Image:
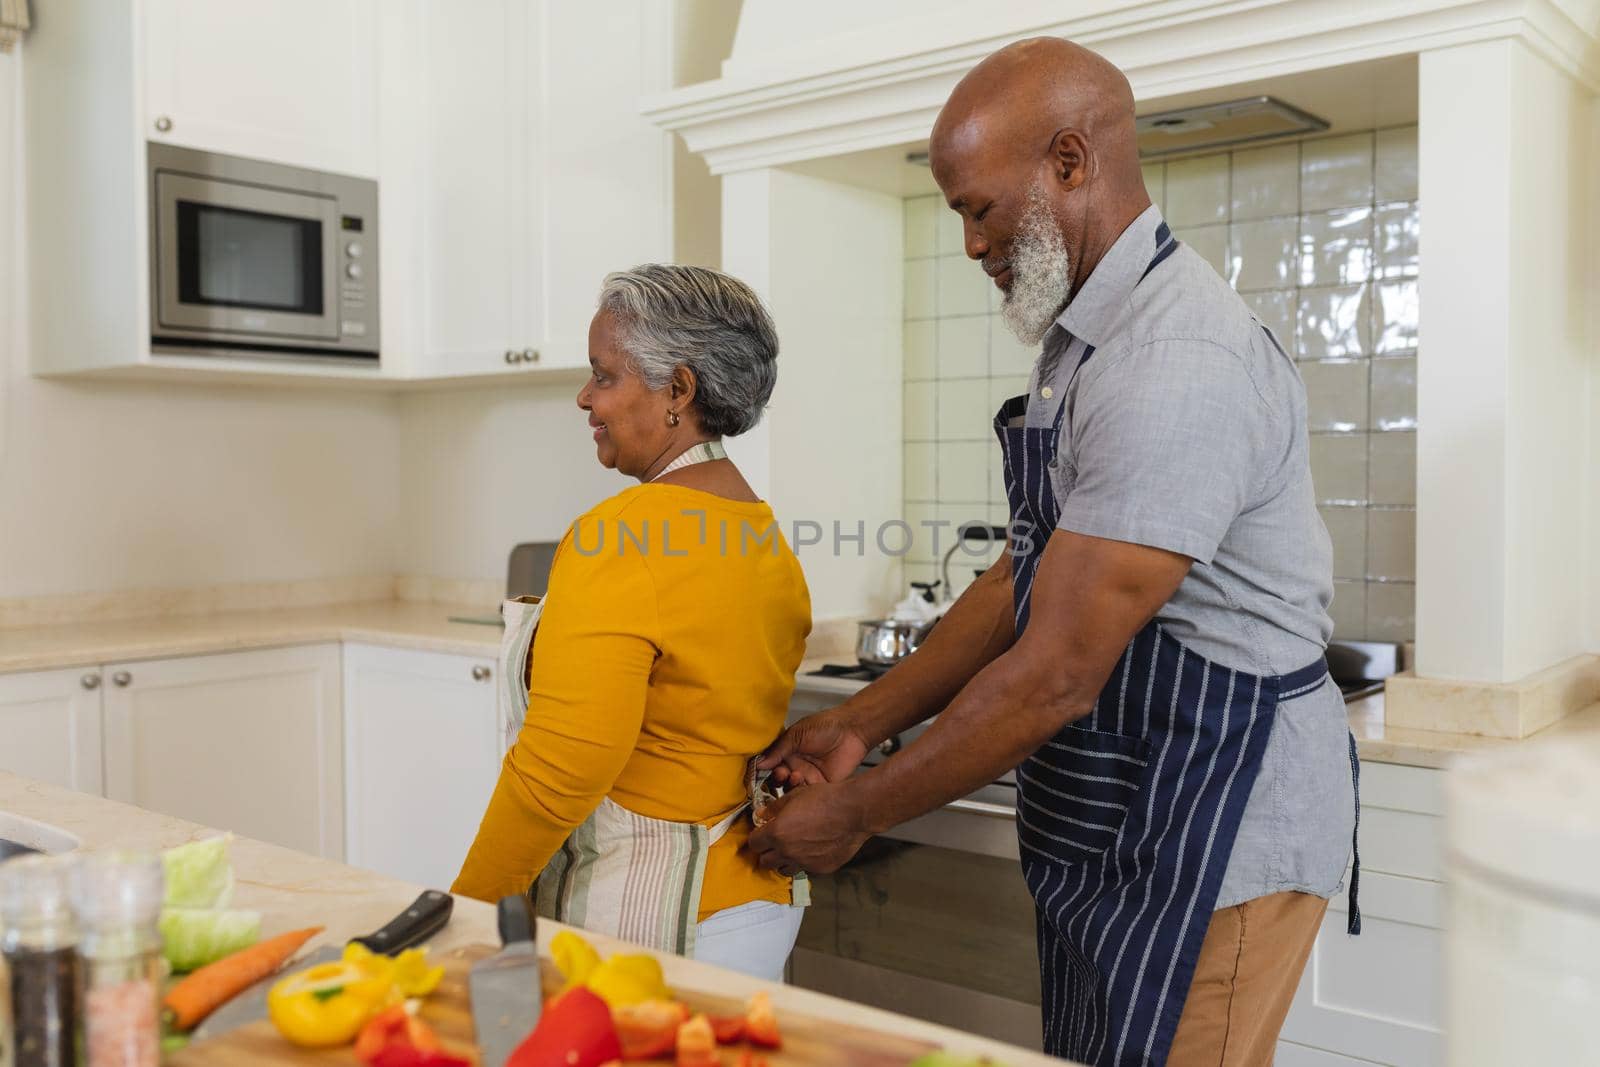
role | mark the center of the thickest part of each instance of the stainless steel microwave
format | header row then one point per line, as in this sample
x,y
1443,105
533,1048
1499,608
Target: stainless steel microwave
x,y
253,258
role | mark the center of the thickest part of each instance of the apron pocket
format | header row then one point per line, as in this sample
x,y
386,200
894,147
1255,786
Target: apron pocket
x,y
1073,794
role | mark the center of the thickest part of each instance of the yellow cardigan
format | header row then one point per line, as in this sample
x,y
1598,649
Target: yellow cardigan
x,y
664,659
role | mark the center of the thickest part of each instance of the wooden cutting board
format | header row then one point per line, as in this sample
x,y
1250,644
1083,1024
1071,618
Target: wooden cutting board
x,y
807,1041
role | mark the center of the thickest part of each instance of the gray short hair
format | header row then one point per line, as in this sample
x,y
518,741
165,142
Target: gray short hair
x,y
712,323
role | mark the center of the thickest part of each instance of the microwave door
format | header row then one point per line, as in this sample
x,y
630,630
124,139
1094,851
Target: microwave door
x,y
238,259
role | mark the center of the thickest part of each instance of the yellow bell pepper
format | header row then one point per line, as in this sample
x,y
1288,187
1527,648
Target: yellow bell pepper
x,y
624,980
574,957
328,1004
619,981
408,972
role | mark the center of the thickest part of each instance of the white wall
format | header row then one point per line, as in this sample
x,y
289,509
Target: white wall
x,y
1591,476
1551,288
702,38
487,468
110,486
798,38
826,258
1503,487
484,469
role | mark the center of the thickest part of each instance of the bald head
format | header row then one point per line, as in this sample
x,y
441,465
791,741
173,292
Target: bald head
x,y
1041,132
1016,100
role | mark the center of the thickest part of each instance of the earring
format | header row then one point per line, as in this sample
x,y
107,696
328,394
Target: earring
x,y
672,418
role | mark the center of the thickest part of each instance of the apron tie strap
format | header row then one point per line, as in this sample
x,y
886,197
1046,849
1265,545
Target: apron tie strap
x,y
1354,925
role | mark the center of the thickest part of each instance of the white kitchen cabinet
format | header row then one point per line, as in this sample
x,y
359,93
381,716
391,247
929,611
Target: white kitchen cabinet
x,y
249,742
514,169
458,189
422,753
1378,998
50,727
293,81
607,196
516,172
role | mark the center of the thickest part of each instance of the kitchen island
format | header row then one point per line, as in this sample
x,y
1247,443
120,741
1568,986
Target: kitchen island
x,y
293,889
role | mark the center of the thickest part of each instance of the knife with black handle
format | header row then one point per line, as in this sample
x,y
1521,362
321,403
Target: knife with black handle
x,y
421,919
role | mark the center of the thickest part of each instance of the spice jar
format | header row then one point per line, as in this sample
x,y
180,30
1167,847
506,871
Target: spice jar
x,y
39,939
117,898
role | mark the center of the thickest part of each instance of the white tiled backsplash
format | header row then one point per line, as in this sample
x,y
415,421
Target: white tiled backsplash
x,y
1320,238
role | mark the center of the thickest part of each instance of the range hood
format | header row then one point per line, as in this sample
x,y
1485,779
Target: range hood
x,y
1233,122
1185,130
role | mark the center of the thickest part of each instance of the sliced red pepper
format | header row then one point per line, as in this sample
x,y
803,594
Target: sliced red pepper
x,y
697,1044
375,1036
649,1029
575,1031
401,1056
761,1023
728,1028
396,1038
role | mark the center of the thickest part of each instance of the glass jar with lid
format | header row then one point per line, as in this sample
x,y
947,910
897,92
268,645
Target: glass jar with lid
x,y
117,899
39,943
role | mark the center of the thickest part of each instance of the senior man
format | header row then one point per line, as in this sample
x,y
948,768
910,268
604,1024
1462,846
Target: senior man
x,y
1149,656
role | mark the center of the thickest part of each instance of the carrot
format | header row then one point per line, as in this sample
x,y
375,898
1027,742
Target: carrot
x,y
213,985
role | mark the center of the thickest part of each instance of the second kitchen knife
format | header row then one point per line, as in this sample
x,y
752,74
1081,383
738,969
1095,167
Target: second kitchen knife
x,y
506,995
421,919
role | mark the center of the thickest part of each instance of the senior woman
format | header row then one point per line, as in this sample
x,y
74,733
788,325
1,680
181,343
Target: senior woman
x,y
666,650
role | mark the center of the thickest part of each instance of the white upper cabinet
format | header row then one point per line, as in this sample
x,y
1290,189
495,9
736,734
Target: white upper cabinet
x,y
292,81
608,171
514,169
457,194
516,172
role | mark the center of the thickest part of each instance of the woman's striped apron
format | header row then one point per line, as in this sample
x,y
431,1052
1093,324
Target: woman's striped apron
x,y
619,873
1127,817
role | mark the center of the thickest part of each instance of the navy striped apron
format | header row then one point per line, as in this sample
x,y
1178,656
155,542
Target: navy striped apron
x,y
1126,818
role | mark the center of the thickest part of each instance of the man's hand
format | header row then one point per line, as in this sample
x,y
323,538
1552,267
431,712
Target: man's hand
x,y
817,829
825,747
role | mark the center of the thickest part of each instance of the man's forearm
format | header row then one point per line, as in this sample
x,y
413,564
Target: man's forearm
x,y
1006,713
970,636
1090,597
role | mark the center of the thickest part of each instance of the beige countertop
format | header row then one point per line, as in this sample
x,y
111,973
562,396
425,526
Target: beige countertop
x,y
396,623
1380,743
1375,741
292,889
426,626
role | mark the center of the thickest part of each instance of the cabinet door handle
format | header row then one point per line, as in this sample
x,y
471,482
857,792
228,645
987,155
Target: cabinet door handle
x,y
163,124
481,673
121,679
90,680
530,355
511,356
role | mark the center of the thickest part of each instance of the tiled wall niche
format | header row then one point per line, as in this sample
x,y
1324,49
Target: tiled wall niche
x,y
1320,238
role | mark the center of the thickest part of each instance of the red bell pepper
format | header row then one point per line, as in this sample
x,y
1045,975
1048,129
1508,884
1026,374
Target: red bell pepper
x,y
697,1044
575,1031
396,1038
649,1029
728,1028
761,1023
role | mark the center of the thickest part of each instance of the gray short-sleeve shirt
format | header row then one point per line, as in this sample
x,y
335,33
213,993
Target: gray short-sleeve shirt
x,y
1185,429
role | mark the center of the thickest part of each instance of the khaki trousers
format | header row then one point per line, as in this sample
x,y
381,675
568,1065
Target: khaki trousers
x,y
1249,966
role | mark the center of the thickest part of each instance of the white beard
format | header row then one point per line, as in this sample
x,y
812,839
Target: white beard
x,y
1041,273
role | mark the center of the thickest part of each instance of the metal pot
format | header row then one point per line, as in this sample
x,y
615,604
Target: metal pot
x,y
885,642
